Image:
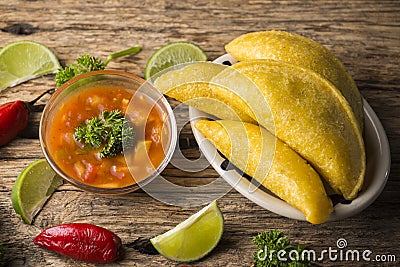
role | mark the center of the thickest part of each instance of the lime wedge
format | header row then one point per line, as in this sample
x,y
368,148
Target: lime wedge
x,y
24,60
32,188
194,238
173,54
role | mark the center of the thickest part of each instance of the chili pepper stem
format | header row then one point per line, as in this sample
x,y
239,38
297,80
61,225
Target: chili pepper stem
x,y
133,50
50,91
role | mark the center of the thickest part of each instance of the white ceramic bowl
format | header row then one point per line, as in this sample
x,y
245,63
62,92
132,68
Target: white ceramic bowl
x,y
378,166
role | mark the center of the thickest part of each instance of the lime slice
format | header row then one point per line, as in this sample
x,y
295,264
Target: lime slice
x,y
32,188
24,60
173,54
194,238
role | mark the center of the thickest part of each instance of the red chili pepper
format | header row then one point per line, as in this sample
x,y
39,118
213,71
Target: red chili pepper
x,y
13,119
81,241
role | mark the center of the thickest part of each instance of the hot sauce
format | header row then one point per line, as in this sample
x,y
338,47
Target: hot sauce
x,y
84,164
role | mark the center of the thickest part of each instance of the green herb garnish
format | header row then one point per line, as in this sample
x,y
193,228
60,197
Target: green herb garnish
x,y
111,129
87,63
270,244
2,255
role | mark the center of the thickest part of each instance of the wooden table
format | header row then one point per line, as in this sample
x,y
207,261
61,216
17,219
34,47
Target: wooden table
x,y
365,35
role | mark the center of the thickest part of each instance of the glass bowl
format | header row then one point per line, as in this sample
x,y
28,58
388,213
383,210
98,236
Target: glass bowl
x,y
377,173
116,83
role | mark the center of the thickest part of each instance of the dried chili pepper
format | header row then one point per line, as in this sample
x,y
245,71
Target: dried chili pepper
x,y
14,117
81,241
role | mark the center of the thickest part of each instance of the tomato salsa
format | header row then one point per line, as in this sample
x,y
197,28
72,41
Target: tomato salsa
x,y
84,163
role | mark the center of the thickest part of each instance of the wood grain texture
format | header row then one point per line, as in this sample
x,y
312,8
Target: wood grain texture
x,y
365,35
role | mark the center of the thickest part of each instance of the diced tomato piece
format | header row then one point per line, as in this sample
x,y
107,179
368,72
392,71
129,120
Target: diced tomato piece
x,y
79,169
118,171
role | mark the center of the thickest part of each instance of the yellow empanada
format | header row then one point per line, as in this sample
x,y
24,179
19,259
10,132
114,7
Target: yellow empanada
x,y
300,51
312,117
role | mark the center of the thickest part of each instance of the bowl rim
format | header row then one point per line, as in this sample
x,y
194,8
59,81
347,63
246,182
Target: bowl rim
x,y
119,190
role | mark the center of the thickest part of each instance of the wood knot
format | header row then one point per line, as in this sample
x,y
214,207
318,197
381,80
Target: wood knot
x,y
20,29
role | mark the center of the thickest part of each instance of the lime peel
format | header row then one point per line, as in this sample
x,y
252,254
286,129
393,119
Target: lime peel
x,y
21,61
193,238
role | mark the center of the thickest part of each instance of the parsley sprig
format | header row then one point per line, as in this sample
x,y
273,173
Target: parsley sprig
x,y
111,129
87,63
270,243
